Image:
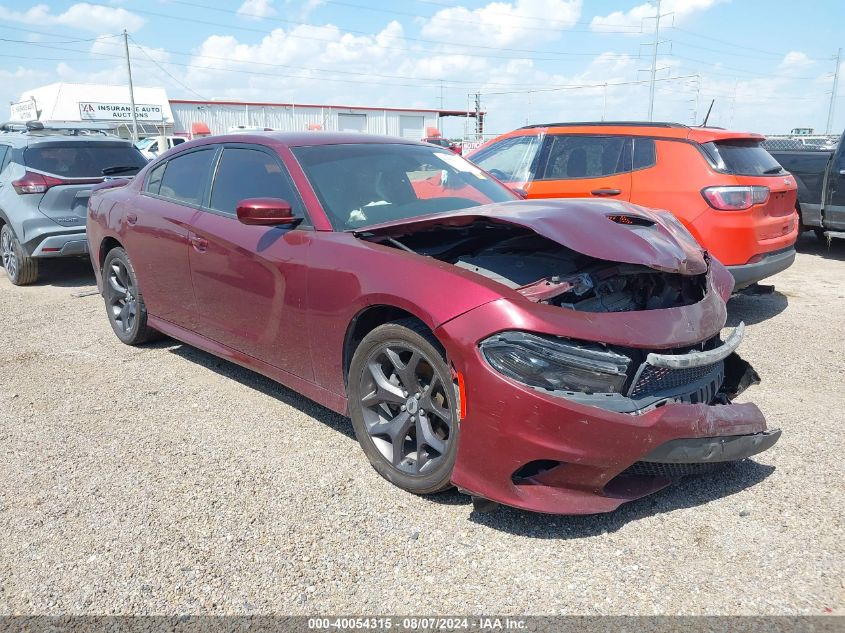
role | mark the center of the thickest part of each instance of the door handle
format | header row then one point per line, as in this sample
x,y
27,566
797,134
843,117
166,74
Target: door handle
x,y
606,192
131,218
200,244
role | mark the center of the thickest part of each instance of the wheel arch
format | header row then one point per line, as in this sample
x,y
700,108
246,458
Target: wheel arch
x,y
368,319
107,244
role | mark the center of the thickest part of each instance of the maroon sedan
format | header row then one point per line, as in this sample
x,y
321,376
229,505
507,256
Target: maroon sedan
x,y
559,356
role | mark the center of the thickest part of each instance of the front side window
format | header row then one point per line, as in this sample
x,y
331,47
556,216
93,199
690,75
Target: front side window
x,y
582,156
249,173
185,176
512,159
364,184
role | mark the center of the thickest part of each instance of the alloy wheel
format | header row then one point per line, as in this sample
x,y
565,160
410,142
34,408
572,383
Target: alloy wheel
x,y
7,248
406,407
122,296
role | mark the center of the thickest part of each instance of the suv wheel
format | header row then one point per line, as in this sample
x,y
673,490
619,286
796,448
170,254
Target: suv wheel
x,y
20,267
404,407
124,302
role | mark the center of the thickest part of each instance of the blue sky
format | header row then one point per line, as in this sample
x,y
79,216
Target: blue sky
x,y
768,65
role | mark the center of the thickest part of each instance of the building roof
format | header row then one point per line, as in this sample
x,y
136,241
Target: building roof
x,y
258,104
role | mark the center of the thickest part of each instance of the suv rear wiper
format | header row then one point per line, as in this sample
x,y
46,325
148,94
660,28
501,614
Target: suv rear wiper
x,y
774,170
119,169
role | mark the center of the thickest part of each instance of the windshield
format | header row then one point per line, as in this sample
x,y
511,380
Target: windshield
x,y
144,142
742,158
364,184
84,160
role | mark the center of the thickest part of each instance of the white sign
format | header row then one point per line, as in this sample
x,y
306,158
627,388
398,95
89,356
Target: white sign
x,y
119,112
24,111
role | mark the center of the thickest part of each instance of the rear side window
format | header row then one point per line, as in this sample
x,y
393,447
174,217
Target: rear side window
x,y
177,141
512,159
84,160
582,156
248,173
154,179
644,153
185,176
742,157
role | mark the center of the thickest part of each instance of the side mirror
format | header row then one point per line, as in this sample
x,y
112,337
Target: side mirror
x,y
265,212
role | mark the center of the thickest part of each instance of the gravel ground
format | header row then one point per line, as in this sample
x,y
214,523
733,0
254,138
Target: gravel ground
x,y
160,480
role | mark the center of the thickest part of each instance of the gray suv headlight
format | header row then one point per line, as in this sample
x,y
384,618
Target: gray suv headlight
x,y
555,364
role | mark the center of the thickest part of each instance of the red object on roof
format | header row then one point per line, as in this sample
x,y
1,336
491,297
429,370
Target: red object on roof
x,y
199,129
432,132
315,126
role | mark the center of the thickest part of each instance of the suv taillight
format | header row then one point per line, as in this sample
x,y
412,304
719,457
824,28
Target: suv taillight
x,y
735,198
35,183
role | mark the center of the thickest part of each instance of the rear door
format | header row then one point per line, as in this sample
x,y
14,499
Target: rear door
x,y
157,235
250,281
71,168
584,166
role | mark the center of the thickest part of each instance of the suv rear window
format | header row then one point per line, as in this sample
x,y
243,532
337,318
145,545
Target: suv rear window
x,y
742,157
84,160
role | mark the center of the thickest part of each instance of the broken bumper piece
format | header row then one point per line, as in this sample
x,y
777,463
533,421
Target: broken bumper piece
x,y
713,449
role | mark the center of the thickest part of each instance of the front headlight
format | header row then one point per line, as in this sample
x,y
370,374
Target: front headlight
x,y
551,363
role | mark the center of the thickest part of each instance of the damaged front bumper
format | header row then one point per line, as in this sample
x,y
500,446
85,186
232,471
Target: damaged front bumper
x,y
547,452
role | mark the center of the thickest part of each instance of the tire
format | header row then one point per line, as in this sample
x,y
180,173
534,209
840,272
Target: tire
x,y
124,302
21,269
820,234
393,364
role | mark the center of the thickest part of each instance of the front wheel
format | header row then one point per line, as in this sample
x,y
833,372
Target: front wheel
x,y
124,302
404,407
21,269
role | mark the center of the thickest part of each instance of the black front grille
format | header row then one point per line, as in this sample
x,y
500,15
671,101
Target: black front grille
x,y
658,379
670,471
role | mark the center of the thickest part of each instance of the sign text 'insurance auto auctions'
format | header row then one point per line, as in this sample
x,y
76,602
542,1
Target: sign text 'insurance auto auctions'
x,y
119,112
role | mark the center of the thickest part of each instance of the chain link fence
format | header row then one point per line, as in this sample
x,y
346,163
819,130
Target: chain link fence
x,y
801,143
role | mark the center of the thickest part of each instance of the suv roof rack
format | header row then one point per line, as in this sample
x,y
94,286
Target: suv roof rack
x,y
606,123
72,128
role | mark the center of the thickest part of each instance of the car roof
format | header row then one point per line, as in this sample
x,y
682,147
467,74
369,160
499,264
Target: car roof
x,y
301,139
661,129
27,139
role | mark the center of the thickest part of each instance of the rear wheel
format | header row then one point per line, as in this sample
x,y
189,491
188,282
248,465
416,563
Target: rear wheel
x,y
404,407
124,302
21,269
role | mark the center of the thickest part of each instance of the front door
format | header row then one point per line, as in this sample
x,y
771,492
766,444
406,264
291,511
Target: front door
x,y
250,281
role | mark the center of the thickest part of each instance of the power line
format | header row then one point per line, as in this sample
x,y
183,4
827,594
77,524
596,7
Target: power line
x,y
165,71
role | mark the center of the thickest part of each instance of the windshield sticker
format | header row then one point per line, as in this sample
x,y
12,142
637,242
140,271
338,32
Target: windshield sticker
x,y
456,162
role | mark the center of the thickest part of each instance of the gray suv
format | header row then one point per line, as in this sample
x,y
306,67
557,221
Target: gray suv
x,y
46,175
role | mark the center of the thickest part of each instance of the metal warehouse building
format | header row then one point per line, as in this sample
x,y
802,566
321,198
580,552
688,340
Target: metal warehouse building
x,y
222,116
157,114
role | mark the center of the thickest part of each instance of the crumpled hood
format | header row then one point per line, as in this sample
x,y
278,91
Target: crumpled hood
x,y
640,236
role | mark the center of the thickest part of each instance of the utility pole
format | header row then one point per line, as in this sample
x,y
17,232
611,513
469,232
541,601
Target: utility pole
x,y
654,64
604,103
441,94
479,125
833,93
131,89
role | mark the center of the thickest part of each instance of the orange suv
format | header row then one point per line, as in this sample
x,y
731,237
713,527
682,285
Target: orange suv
x,y
726,189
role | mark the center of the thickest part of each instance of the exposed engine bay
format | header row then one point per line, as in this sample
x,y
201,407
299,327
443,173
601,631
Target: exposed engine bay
x,y
547,272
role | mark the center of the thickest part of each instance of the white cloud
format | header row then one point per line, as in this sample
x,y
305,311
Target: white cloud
x,y
81,16
796,60
256,9
633,19
503,23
